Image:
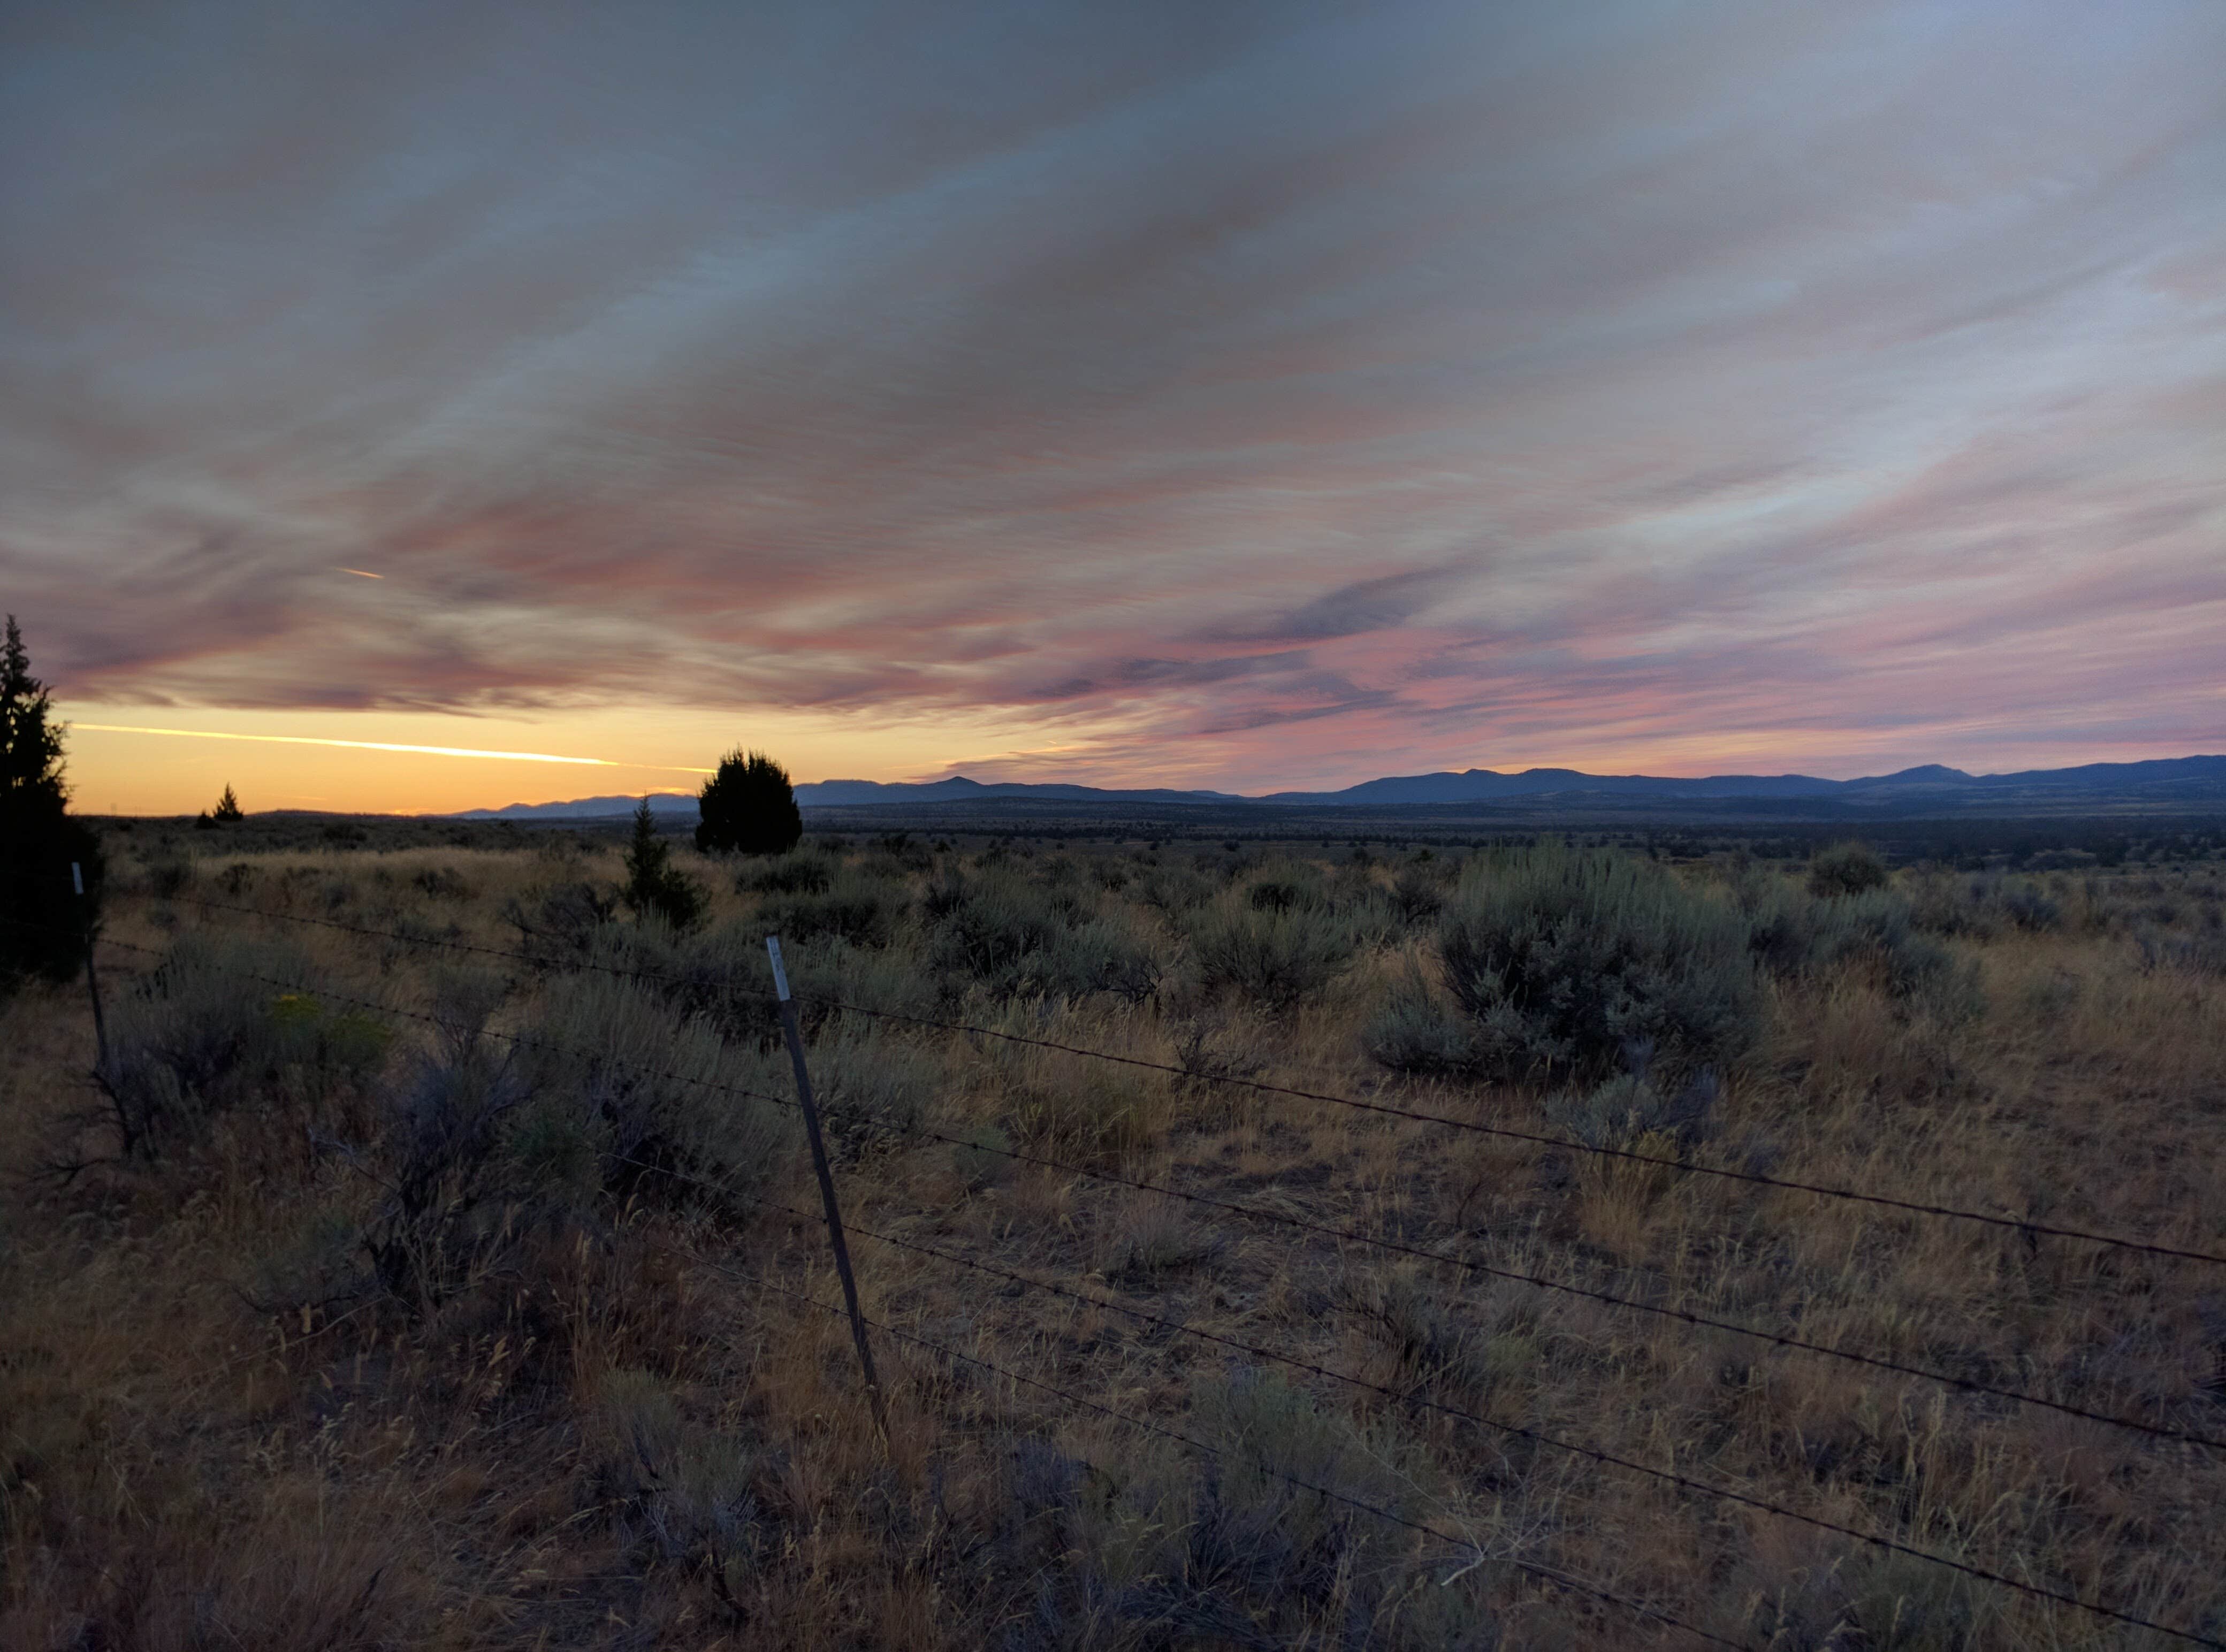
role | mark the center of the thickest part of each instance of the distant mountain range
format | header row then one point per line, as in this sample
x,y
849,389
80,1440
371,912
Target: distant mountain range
x,y
2193,780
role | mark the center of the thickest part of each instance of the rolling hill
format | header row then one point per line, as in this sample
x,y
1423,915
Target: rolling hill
x,y
2191,781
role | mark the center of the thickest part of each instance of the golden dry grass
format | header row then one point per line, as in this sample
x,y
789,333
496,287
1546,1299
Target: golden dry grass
x,y
617,1431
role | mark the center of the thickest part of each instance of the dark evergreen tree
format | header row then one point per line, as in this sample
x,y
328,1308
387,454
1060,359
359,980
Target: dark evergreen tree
x,y
749,808
653,883
43,921
227,807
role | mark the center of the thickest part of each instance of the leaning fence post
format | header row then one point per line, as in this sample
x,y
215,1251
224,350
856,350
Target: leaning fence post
x,y
91,981
826,1182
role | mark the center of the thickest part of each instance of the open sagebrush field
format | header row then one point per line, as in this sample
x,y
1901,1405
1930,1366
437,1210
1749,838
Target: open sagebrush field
x,y
377,1291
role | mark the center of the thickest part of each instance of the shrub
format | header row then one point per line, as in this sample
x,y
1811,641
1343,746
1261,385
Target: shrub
x,y
1370,911
606,1096
1791,932
1206,1051
1846,869
441,882
1562,957
1174,890
1630,1106
828,971
982,1155
1274,953
685,1488
168,876
217,1021
944,897
720,975
873,1089
1415,1030
2195,955
1264,1543
861,910
629,1091
1000,929
898,850
1983,906
798,872
2025,907
443,1128
1015,938
1417,894
1285,887
749,807
1782,921
560,923
1876,926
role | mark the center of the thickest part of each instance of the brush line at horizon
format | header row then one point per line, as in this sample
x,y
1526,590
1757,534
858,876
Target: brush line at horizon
x,y
388,746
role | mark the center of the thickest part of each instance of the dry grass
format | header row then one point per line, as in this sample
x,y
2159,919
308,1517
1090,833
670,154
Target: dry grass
x,y
600,1421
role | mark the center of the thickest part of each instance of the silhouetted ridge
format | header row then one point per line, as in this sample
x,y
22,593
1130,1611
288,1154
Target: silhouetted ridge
x,y
2189,778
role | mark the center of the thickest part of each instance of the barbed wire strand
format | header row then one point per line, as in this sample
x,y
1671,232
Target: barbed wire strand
x,y
1536,1437
1549,1574
1682,1166
1539,1438
1301,1223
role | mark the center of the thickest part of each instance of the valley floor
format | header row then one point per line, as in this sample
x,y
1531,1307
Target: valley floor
x,y
437,1262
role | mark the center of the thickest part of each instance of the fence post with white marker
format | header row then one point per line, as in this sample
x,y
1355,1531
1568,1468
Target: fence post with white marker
x,y
842,1249
91,981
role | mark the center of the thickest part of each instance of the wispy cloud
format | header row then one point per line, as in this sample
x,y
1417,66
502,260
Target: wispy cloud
x,y
1267,395
377,746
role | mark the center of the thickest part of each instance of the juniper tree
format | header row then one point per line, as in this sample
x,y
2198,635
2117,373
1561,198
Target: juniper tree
x,y
43,921
653,883
227,806
749,807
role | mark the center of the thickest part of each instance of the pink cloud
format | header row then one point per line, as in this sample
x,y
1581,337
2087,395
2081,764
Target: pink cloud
x,y
1268,401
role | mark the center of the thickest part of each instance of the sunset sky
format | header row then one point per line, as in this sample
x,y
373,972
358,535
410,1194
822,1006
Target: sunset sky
x,y
1240,396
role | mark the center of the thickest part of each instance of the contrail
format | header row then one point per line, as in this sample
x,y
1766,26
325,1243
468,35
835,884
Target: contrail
x,y
361,574
391,746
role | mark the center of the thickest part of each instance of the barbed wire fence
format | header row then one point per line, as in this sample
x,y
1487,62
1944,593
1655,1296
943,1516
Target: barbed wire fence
x,y
2192,1437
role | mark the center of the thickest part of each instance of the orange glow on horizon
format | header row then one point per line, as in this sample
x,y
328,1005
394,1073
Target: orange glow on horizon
x,y
410,762
138,769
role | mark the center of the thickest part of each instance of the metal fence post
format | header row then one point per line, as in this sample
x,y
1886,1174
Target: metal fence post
x,y
826,1182
91,981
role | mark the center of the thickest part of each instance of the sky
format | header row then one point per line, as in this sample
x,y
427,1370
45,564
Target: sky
x,y
1244,396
